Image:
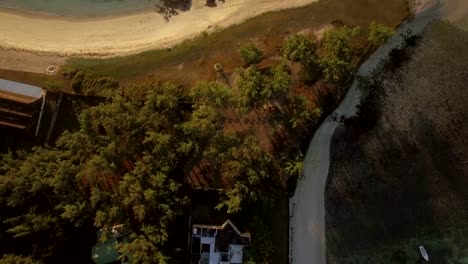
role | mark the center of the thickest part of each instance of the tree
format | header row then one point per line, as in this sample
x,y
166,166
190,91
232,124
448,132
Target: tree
x,y
251,85
301,112
124,165
170,8
337,60
379,34
299,48
255,87
245,165
36,193
211,93
336,42
280,82
250,53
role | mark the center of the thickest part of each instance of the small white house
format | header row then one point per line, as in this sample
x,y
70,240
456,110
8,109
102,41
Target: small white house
x,y
218,244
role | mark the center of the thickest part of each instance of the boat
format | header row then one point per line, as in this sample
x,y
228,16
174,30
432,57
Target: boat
x,y
424,253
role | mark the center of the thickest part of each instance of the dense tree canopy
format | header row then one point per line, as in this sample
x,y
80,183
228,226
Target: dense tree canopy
x,y
122,166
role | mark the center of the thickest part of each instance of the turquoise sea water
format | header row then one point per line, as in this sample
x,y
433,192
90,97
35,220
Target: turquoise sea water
x,y
79,8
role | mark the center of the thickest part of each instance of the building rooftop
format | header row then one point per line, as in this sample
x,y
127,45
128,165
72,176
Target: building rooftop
x,y
19,92
219,244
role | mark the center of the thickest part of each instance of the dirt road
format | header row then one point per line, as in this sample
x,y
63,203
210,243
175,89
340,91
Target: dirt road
x,y
307,207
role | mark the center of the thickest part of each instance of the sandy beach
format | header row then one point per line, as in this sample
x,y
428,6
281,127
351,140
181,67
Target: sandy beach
x,y
126,34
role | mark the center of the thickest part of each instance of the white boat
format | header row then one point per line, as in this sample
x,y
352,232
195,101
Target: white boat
x,y
424,253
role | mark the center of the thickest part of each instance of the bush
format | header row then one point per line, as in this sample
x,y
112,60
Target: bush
x,y
99,86
90,85
299,48
77,81
337,61
53,85
69,72
250,53
379,34
336,42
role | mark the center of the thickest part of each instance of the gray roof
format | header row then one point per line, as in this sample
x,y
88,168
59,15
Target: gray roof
x,y
20,88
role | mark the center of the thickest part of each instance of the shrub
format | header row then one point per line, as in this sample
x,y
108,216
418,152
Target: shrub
x,y
299,48
91,85
53,85
250,53
337,61
99,86
336,42
77,81
379,34
69,72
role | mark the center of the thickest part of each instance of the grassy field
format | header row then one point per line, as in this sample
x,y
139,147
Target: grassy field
x,y
193,59
403,182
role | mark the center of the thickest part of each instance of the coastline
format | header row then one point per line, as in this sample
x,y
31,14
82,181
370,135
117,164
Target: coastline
x,y
124,34
71,18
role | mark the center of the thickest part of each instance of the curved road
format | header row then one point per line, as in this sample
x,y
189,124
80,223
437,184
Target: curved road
x,y
307,206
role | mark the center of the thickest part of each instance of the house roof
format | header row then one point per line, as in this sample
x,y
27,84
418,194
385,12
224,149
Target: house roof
x,y
216,244
19,92
228,227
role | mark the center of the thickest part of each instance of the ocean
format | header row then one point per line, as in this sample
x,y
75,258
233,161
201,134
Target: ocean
x,y
79,8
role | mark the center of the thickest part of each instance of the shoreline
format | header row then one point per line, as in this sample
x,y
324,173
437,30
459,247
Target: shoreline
x,y
71,18
45,34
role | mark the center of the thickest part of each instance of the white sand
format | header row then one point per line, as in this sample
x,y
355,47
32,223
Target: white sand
x,y
126,34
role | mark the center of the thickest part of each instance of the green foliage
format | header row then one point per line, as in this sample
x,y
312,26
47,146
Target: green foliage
x,y
122,166
69,72
252,85
250,53
13,259
255,87
379,33
262,249
246,165
336,42
300,114
97,86
294,167
299,48
77,81
211,93
337,60
337,71
54,85
280,82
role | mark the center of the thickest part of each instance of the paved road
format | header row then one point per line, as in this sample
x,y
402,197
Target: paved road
x,y
307,207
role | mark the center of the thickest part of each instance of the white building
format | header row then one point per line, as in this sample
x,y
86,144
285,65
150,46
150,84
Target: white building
x,y
218,244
